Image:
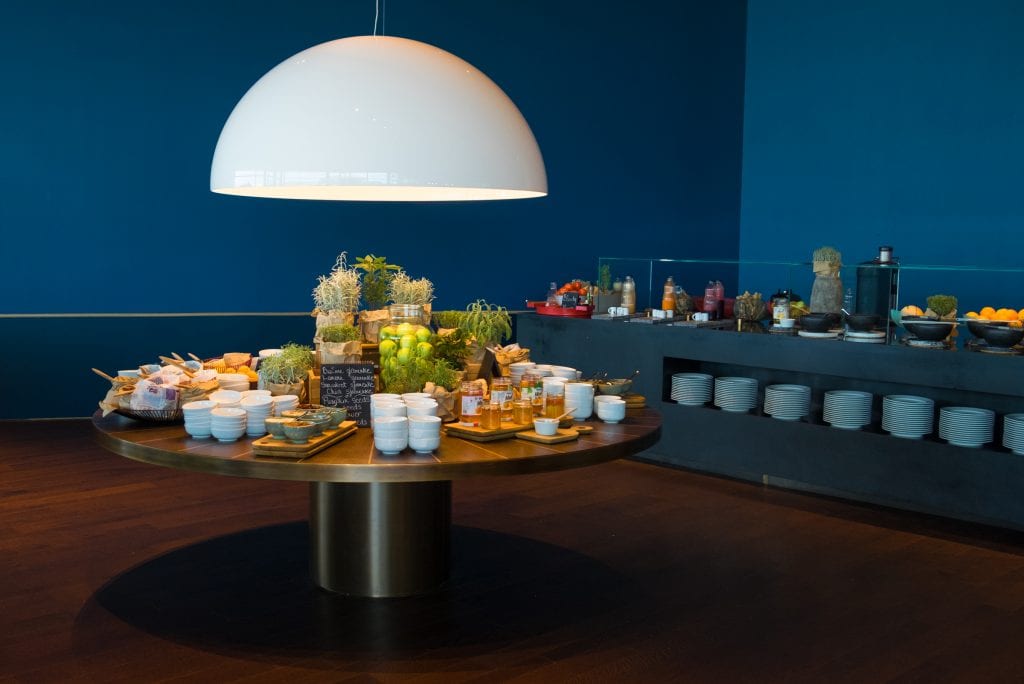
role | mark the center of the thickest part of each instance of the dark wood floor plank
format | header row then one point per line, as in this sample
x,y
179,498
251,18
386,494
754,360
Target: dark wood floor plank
x,y
116,571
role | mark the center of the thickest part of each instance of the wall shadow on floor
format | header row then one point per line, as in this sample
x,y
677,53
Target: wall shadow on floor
x,y
249,595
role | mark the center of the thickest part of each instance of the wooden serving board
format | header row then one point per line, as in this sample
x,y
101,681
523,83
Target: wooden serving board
x,y
479,434
282,448
563,435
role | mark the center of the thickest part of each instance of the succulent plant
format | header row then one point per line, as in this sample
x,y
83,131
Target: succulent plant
x,y
942,305
828,254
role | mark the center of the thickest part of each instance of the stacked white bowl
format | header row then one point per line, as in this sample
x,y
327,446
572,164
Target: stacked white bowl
x,y
692,389
518,369
386,408
735,394
391,434
847,409
233,381
421,407
907,416
565,372
610,409
542,370
284,402
257,410
787,402
226,398
255,393
197,418
579,396
1013,433
966,426
413,396
424,433
227,424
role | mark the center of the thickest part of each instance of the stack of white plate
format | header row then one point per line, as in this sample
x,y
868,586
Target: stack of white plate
x,y
691,389
579,396
226,398
847,409
735,394
227,424
284,402
257,410
787,402
233,381
907,416
966,426
197,418
518,369
565,372
1013,433
543,370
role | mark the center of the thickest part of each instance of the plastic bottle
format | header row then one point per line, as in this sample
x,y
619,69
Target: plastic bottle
x,y
629,294
668,297
552,299
710,301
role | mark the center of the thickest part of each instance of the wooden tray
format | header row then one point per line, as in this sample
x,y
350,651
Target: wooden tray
x,y
479,434
280,448
563,435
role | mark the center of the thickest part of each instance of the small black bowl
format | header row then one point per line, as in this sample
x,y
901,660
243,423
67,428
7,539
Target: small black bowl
x,y
863,322
818,322
977,328
1002,336
932,331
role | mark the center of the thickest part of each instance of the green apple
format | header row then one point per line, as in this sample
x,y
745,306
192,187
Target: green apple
x,y
407,341
422,334
424,350
391,363
388,348
388,332
404,356
405,329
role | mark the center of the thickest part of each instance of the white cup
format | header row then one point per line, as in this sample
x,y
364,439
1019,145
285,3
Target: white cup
x,y
611,411
787,322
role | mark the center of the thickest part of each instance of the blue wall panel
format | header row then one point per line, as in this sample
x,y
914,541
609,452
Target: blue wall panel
x,y
897,123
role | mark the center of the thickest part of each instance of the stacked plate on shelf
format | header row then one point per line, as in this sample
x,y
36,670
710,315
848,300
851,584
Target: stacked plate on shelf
x,y
735,394
518,369
692,389
787,402
1013,433
966,426
847,409
907,416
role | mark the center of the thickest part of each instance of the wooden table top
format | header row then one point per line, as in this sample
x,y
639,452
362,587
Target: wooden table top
x,y
355,459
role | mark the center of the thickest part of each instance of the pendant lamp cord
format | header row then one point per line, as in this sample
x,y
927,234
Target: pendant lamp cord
x,y
383,19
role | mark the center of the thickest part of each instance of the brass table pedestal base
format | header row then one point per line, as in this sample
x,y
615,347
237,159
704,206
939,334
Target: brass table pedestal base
x,y
380,538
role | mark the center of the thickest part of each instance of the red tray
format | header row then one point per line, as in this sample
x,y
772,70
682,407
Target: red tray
x,y
581,311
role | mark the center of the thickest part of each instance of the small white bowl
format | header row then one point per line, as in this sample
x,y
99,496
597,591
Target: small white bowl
x,y
226,397
199,407
390,445
391,425
545,426
424,445
611,411
787,322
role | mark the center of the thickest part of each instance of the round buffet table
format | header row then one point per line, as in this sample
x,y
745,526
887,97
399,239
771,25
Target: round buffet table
x,y
379,525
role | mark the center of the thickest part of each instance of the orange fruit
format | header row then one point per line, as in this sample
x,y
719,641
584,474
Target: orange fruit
x,y
911,310
1020,315
1006,315
971,314
988,312
1016,324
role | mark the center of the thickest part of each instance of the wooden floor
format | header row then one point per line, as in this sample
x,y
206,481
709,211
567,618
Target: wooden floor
x,y
115,571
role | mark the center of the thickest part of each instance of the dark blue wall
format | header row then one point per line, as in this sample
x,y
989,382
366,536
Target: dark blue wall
x,y
111,112
879,122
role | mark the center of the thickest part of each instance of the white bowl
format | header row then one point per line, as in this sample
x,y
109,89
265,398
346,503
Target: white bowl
x,y
424,422
546,426
424,445
390,445
563,372
255,393
199,407
227,434
226,397
411,396
611,411
421,409
384,395
391,425
229,412
197,431
258,402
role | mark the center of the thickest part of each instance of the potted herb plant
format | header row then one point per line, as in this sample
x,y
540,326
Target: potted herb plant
x,y
336,296
410,299
606,295
340,344
376,276
484,325
285,373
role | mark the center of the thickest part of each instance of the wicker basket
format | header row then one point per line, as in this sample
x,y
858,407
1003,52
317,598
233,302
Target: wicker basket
x,y
153,416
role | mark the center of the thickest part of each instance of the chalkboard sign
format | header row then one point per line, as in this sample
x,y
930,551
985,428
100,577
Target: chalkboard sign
x,y
349,385
570,299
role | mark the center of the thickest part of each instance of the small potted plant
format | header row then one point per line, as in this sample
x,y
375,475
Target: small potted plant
x,y
340,344
336,296
376,276
285,373
410,299
484,325
607,296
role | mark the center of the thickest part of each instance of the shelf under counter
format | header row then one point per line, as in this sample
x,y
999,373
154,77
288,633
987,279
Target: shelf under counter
x,y
928,475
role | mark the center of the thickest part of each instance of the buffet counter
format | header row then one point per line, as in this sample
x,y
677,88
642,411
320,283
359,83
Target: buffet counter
x,y
869,465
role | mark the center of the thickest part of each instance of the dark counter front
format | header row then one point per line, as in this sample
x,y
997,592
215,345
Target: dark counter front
x,y
985,485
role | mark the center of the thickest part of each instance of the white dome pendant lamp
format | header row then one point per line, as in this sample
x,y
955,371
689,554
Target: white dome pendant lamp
x,y
377,118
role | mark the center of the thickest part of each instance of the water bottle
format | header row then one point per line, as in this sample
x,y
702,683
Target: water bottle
x,y
553,299
629,294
